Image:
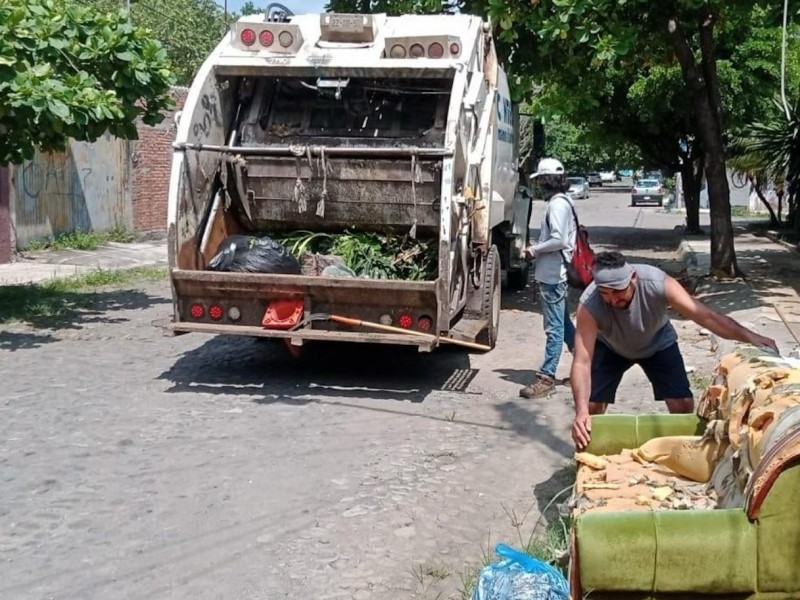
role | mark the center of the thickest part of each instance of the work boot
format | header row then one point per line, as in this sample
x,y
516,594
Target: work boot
x,y
542,386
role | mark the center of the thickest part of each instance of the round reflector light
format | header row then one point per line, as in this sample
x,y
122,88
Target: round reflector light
x,y
385,319
397,51
285,39
406,321
215,311
234,314
425,323
248,37
454,48
197,311
266,38
416,50
435,50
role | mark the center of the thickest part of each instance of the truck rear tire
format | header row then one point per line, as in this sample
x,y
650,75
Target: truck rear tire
x,y
490,298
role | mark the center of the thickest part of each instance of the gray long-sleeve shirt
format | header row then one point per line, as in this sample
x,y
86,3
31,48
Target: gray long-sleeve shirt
x,y
556,239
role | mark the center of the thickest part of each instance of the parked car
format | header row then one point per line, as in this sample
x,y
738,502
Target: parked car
x,y
578,187
647,191
594,179
654,175
607,176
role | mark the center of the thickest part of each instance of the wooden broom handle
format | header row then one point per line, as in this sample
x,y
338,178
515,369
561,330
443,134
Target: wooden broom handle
x,y
391,329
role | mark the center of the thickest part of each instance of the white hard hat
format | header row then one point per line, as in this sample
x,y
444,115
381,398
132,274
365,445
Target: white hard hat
x,y
549,166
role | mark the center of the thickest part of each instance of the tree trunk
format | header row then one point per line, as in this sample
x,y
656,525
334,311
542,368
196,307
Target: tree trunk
x,y
723,256
774,220
691,195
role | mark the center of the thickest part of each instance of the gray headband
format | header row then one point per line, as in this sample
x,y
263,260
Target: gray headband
x,y
616,279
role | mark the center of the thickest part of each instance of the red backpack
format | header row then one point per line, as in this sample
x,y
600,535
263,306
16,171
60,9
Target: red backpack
x,y
579,269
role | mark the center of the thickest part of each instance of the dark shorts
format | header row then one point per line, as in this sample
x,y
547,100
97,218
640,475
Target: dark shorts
x,y
664,369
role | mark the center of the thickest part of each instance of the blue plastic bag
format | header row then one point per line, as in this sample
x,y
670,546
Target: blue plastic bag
x,y
519,577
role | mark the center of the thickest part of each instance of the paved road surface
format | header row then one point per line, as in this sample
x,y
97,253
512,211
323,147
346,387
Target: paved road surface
x,y
140,466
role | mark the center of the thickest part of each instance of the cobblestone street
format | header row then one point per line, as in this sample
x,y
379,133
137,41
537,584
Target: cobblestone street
x,y
135,465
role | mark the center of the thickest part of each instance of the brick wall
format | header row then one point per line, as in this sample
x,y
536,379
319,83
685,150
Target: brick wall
x,y
5,216
151,158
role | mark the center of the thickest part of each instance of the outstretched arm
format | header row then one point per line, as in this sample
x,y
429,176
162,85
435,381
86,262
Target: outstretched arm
x,y
581,375
721,325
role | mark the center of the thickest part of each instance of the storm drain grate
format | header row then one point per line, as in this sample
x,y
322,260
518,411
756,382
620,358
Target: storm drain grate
x,y
459,380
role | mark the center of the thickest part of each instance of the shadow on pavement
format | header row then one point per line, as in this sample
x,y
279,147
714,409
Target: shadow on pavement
x,y
240,365
554,491
50,308
12,340
524,417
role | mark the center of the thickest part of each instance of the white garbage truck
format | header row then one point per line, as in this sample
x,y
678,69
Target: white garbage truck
x,y
347,122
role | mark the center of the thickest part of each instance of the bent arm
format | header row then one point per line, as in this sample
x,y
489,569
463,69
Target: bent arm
x,y
721,325
559,215
581,373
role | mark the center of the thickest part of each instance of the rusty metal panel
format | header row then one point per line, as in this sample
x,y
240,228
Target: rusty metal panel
x,y
374,169
322,289
81,189
375,194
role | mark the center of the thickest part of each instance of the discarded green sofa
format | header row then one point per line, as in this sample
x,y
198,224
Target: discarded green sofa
x,y
743,553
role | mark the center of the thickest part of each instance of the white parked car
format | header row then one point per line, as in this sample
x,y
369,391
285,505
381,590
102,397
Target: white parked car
x,y
578,187
608,176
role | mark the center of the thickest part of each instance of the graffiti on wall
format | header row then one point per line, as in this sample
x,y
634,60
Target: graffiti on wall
x,y
81,189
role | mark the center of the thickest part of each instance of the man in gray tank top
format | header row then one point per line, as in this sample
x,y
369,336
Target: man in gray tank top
x,y
622,320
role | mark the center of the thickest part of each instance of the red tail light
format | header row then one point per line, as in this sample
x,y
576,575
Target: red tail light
x,y
248,37
397,51
425,323
197,311
405,321
266,38
454,48
215,311
435,50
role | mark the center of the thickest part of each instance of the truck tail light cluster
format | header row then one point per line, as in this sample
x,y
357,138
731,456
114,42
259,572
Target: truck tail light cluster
x,y
406,320
423,47
281,38
214,311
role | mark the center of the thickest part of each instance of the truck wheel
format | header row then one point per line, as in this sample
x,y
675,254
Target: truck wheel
x,y
490,299
518,278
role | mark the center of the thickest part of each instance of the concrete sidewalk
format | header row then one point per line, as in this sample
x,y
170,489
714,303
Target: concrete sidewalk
x,y
766,300
35,267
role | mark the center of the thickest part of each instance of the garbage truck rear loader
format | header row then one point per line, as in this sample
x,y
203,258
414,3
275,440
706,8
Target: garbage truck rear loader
x,y
338,123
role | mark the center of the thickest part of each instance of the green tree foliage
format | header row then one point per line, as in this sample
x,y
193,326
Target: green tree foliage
x,y
67,71
769,150
597,57
188,29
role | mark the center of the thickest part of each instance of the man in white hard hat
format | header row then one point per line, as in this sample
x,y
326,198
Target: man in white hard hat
x,y
554,249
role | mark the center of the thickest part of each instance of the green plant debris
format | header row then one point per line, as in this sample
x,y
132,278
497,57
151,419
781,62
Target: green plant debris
x,y
81,240
373,255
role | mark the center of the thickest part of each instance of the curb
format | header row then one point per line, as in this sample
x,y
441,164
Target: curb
x,y
773,237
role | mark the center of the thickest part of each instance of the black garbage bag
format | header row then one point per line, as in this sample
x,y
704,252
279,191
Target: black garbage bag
x,y
249,254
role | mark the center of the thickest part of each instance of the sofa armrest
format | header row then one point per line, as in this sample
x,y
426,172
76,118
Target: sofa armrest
x,y
689,551
612,433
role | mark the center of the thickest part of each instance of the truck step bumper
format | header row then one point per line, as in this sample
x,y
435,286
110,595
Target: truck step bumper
x,y
301,335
